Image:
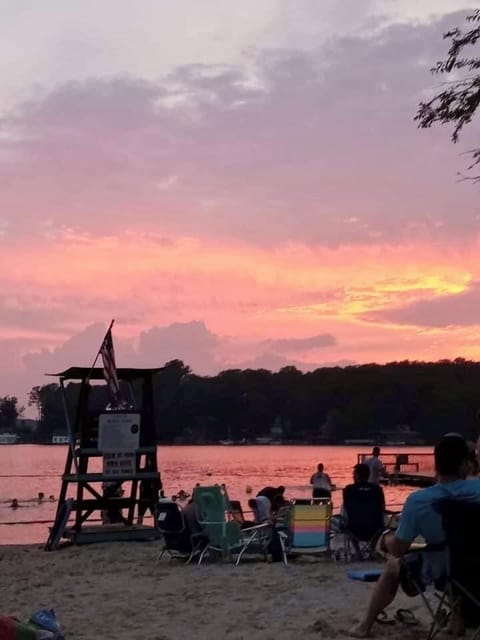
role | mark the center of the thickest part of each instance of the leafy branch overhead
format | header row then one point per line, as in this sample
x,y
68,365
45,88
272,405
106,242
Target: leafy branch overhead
x,y
456,103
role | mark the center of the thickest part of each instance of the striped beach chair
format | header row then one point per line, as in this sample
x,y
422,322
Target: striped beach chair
x,y
309,527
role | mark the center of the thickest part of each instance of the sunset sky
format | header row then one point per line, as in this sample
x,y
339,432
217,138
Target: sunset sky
x,y
236,183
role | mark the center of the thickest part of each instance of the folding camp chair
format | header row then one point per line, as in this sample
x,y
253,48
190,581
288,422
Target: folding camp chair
x,y
460,591
237,511
180,539
308,527
282,528
239,516
282,518
364,520
225,535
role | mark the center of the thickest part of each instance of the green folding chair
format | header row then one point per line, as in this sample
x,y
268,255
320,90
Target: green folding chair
x,y
225,536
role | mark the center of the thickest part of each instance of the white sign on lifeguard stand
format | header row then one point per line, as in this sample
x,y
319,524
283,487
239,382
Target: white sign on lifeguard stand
x,y
118,440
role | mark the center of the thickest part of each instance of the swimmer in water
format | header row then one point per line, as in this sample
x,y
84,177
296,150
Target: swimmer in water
x,y
40,499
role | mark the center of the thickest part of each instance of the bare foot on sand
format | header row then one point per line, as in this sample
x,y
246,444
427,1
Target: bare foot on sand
x,y
360,631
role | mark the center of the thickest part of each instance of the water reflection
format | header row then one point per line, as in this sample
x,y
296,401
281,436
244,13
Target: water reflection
x,y
240,468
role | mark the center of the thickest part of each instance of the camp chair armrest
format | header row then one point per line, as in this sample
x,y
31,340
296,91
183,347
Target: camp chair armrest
x,y
197,534
257,527
427,548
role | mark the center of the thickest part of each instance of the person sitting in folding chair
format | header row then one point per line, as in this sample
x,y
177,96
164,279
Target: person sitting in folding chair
x,y
275,496
261,509
321,483
183,534
363,513
421,517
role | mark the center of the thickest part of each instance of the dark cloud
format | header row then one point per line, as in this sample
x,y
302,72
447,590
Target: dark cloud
x,y
25,365
300,344
275,362
191,342
324,150
79,350
18,376
455,310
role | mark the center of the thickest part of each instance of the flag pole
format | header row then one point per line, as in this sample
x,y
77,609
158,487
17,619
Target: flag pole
x,y
71,435
98,352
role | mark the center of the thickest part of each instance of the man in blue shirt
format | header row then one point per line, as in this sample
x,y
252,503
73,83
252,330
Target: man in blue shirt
x,y
420,519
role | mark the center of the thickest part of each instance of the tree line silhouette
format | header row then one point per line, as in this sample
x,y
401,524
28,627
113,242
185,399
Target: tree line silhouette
x,y
329,404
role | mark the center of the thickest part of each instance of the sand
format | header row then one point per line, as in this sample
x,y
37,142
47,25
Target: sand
x,y
116,592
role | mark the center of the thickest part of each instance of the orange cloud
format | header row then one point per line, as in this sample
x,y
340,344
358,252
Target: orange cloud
x,y
236,289
248,298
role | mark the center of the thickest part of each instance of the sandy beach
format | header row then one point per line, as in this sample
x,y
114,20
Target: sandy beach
x,y
116,592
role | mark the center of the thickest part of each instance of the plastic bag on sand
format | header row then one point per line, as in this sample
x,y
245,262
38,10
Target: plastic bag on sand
x,y
46,622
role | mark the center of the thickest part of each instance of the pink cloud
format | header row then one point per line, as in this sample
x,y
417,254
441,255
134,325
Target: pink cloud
x,y
322,151
461,309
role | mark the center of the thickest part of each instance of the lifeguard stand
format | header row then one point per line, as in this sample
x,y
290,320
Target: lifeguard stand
x,y
125,441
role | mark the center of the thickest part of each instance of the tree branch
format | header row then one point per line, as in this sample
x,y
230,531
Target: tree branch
x,y
456,103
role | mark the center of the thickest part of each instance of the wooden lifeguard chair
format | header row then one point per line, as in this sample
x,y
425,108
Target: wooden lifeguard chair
x,y
107,447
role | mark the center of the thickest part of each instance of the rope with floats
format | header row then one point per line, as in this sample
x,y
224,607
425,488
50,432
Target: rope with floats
x,y
10,475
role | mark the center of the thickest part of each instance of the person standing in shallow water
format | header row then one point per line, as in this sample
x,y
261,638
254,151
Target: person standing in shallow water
x,y
376,466
321,483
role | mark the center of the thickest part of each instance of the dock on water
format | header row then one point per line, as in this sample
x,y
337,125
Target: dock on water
x,y
420,480
409,469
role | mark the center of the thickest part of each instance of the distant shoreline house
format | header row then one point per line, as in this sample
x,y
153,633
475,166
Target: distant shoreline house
x,y
8,438
401,435
60,438
25,429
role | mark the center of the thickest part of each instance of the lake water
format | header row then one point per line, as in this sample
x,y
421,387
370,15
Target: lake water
x,y
239,467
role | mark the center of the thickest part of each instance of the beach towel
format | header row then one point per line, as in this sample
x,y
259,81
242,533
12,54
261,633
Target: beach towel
x,y
12,629
365,575
7,628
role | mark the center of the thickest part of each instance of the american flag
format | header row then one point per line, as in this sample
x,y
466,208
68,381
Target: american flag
x,y
110,368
